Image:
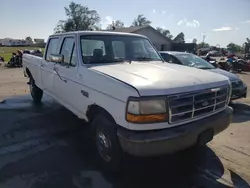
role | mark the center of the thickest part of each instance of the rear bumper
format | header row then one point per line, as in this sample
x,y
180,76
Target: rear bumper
x,y
171,140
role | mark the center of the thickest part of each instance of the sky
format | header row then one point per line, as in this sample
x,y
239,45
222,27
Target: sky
x,y
220,21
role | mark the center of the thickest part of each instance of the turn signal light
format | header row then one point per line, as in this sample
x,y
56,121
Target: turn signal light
x,y
154,118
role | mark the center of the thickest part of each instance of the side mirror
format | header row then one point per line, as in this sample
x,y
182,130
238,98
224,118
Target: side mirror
x,y
56,58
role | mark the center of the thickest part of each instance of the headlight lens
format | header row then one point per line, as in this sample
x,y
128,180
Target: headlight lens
x,y
147,111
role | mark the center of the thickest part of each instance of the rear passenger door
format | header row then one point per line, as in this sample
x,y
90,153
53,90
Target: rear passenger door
x,y
47,67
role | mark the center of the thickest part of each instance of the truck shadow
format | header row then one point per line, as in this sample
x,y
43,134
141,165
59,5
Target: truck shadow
x,y
185,169
241,112
64,156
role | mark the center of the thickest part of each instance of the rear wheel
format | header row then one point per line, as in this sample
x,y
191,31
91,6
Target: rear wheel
x,y
108,149
35,91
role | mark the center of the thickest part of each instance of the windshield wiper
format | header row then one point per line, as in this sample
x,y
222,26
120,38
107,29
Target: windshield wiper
x,y
144,59
109,61
205,68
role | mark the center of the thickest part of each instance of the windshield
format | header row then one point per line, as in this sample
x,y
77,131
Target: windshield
x,y
115,48
194,61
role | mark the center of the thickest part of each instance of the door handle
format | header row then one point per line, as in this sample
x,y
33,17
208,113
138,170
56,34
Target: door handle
x,y
56,70
79,76
42,65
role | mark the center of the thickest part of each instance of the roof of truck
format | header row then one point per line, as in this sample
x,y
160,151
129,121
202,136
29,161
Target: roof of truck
x,y
97,33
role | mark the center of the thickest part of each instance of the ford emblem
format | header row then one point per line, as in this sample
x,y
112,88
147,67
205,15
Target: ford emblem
x,y
204,103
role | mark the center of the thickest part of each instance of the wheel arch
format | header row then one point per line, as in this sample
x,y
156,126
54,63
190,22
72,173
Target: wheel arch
x,y
95,109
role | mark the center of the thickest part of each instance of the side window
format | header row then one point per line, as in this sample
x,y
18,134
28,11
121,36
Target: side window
x,y
73,61
118,49
52,47
67,49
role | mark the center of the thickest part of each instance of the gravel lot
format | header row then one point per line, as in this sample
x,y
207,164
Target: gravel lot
x,y
47,146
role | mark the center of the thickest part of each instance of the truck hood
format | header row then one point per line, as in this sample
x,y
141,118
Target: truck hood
x,y
157,78
231,76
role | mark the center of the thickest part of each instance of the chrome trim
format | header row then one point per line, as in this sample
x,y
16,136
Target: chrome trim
x,y
214,100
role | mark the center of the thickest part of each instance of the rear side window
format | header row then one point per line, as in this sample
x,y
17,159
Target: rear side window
x,y
52,47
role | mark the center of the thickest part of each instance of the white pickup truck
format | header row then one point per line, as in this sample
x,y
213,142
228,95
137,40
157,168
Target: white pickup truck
x,y
134,102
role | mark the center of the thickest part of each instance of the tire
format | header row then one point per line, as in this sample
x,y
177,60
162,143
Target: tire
x,y
108,149
36,92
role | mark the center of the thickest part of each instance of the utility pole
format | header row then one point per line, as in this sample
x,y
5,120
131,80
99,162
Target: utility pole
x,y
203,39
113,25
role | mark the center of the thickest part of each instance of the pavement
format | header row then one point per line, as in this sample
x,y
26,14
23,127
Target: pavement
x,y
47,146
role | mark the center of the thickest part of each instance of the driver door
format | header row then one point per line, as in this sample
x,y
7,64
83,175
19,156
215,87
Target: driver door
x,y
68,79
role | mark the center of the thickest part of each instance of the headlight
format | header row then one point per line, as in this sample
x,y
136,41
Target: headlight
x,y
147,110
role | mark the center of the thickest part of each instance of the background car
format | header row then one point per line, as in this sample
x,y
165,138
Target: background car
x,y
239,89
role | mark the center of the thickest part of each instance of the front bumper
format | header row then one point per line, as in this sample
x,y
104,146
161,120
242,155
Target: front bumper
x,y
238,93
171,140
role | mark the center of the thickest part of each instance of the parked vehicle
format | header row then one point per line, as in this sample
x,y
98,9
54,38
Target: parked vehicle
x,y
239,88
135,103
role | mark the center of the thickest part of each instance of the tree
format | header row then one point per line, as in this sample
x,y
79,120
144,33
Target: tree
x,y
28,39
234,47
203,45
248,40
78,18
165,32
180,38
141,20
194,40
116,24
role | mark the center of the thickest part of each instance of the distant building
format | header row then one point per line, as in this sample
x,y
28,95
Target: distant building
x,y
160,41
38,41
15,42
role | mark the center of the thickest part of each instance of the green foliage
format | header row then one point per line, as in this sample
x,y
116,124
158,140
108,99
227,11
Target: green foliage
x,y
165,32
180,38
78,18
234,47
116,24
141,20
28,39
203,45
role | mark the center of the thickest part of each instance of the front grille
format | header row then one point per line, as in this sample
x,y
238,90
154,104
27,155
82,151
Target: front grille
x,y
236,84
187,106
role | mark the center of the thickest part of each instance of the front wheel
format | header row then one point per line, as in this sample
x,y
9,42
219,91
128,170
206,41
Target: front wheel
x,y
108,148
35,91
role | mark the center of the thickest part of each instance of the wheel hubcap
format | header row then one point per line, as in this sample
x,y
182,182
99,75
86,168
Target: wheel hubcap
x,y
104,146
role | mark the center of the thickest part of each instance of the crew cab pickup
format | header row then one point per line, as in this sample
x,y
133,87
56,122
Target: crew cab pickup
x,y
135,103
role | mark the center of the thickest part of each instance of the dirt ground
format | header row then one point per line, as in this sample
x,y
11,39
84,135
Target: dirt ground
x,y
229,153
12,82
